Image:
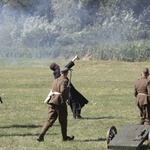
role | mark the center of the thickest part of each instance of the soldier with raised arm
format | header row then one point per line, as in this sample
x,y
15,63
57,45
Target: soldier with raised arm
x,y
76,100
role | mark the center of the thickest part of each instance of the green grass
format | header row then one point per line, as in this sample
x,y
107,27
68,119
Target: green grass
x,y
25,83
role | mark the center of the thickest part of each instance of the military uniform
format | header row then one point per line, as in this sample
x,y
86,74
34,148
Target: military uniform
x,y
142,94
57,108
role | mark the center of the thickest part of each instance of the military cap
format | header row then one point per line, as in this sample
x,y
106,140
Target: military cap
x,y
54,66
65,69
145,70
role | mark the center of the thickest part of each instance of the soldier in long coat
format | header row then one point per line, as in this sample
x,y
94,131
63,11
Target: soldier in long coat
x,y
76,100
57,107
142,94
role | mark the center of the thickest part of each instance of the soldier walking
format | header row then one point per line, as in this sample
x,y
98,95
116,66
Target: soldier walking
x,y
57,107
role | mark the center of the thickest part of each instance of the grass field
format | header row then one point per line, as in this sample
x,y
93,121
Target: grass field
x,y
24,84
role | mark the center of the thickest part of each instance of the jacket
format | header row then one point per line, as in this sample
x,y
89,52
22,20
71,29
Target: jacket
x,y
59,85
142,86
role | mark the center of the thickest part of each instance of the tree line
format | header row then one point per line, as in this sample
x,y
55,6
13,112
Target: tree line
x,y
95,29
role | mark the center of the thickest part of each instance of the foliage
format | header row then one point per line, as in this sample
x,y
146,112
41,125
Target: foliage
x,y
53,28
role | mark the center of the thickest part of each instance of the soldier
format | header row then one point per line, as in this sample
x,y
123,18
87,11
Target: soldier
x,y
76,100
1,100
142,94
57,106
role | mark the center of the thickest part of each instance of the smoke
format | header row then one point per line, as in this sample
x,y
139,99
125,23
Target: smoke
x,y
53,28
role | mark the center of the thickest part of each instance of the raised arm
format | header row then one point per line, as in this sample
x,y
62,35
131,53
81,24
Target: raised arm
x,y
71,63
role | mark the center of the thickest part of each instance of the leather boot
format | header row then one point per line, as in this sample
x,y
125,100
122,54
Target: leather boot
x,y
41,138
64,132
44,130
68,138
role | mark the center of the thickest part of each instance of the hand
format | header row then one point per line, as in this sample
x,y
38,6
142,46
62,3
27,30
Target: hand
x,y
77,57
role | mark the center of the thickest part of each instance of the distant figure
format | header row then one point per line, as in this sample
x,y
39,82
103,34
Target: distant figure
x,y
57,107
76,100
142,94
1,100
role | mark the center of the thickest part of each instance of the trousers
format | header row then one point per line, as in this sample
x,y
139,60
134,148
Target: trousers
x,y
55,112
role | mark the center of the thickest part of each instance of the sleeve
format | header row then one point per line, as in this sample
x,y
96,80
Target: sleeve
x,y
64,88
135,91
70,65
148,88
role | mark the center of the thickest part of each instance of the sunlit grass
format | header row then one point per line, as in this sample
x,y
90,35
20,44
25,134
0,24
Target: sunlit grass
x,y
107,85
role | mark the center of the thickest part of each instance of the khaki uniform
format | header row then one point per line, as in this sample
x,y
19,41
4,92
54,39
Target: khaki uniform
x,y
142,94
57,107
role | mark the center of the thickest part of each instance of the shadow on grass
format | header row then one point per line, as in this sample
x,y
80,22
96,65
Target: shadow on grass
x,y
15,134
21,126
32,126
144,147
23,134
92,140
94,118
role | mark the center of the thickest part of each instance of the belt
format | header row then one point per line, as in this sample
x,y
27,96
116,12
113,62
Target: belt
x,y
56,93
143,94
50,95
